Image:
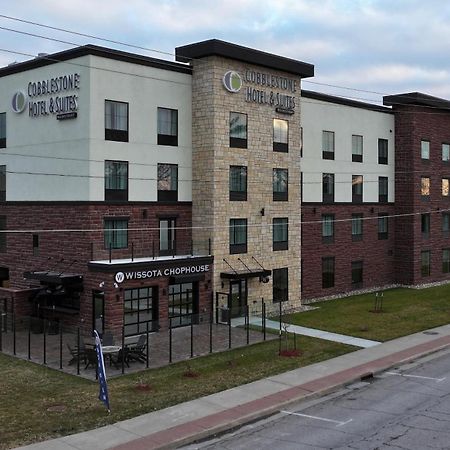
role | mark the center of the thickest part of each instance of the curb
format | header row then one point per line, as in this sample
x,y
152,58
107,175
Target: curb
x,y
245,413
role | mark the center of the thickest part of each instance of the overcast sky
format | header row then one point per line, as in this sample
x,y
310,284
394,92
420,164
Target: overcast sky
x,y
384,46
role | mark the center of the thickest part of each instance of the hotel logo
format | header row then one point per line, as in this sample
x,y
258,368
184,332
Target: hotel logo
x,y
19,102
232,81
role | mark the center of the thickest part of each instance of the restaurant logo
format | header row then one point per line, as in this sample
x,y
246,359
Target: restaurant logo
x,y
120,276
19,102
232,81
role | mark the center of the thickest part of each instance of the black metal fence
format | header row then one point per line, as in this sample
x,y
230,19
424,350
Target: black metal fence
x,y
71,350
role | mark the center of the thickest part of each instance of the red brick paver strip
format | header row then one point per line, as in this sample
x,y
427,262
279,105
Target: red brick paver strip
x,y
268,404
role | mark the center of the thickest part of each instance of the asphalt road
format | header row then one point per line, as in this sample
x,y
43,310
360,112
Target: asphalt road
x,y
405,408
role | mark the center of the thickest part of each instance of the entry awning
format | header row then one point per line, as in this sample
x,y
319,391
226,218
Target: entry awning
x,y
65,279
243,274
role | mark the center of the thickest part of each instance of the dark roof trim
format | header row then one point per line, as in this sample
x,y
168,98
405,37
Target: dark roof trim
x,y
416,99
94,50
344,101
65,279
215,47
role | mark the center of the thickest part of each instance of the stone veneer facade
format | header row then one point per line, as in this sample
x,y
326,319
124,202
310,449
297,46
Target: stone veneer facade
x,y
212,157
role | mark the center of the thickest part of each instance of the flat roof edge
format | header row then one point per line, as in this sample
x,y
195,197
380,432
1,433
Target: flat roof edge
x,y
216,47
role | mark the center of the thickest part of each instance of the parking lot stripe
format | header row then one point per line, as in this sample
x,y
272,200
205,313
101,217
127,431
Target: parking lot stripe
x,y
438,380
339,423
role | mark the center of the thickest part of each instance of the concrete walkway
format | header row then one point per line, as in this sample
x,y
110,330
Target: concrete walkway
x,y
304,331
205,416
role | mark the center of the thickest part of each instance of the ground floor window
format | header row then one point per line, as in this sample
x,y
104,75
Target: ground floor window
x,y
446,260
357,274
140,309
328,272
183,303
280,285
425,262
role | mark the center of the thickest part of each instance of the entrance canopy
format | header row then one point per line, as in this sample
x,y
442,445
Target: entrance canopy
x,y
242,274
59,278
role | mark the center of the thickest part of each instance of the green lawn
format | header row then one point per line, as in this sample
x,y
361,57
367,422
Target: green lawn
x,y
405,311
27,391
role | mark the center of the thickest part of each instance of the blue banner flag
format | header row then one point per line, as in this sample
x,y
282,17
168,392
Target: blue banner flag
x,y
103,395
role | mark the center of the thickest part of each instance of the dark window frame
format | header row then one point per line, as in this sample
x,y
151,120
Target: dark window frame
x,y
446,260
163,138
357,197
280,196
328,154
383,226
282,222
383,151
116,232
328,219
238,142
357,218
280,292
328,276
113,134
425,195
357,274
3,126
328,188
35,243
116,194
167,195
238,247
356,157
383,189
134,305
2,183
238,195
423,141
425,266
425,225
445,223
171,236
279,146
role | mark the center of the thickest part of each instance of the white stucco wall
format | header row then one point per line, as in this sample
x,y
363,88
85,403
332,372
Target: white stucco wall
x,y
76,148
345,121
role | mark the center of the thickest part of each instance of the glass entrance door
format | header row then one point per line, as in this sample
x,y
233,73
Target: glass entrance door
x,y
238,297
98,312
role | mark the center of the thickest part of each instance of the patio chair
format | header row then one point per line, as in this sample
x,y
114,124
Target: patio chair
x,y
76,355
138,351
123,354
91,358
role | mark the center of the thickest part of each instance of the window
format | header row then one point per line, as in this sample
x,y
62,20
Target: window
x,y
357,148
357,274
425,225
140,310
425,187
35,244
116,121
280,234
280,185
183,304
327,272
2,183
446,260
425,263
382,226
425,149
2,235
382,151
445,186
357,227
280,135
238,130
328,188
301,142
116,233
446,223
167,126
357,188
116,180
2,130
167,183
327,228
328,144
383,189
238,236
446,152
167,237
238,183
280,285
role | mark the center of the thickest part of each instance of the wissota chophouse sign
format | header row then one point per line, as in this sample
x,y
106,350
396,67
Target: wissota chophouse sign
x,y
264,88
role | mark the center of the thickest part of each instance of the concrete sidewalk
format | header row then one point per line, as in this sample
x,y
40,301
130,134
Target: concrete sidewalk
x,y
199,418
